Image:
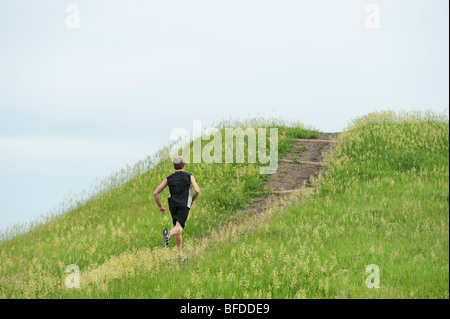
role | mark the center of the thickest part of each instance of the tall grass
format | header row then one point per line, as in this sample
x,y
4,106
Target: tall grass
x,y
383,200
118,218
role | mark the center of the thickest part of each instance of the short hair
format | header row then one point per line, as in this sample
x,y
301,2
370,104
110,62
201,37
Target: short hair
x,y
178,162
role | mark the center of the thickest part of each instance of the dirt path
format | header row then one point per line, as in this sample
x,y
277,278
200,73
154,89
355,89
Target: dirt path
x,y
291,175
294,171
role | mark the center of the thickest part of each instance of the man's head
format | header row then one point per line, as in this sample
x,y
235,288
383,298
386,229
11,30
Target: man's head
x,y
178,163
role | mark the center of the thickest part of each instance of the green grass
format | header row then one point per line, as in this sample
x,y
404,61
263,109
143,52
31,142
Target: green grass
x,y
120,217
383,200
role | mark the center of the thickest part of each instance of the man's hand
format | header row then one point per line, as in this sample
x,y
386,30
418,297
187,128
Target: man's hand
x,y
162,210
195,187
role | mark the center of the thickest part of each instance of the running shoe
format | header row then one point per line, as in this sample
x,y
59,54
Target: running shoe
x,y
166,237
182,256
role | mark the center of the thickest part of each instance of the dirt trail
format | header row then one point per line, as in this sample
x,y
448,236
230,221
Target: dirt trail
x,y
293,174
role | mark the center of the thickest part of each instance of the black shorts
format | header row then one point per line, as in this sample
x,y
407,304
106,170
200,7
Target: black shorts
x,y
179,214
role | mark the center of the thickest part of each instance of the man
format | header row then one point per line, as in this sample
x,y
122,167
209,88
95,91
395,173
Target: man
x,y
181,198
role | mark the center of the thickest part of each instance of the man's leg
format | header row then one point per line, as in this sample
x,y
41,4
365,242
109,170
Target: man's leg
x,y
176,231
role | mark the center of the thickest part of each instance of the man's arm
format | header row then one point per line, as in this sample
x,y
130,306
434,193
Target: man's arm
x,y
195,187
158,190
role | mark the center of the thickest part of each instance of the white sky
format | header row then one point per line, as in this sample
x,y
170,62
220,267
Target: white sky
x,y
78,104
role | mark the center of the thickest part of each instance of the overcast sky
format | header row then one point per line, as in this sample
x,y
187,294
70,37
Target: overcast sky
x,y
77,104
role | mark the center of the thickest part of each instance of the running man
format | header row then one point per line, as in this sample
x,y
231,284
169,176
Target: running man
x,y
181,198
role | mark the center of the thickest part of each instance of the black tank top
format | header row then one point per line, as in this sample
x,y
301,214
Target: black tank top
x,y
180,189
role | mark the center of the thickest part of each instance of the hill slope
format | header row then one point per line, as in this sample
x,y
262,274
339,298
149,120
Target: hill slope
x,y
120,218
383,201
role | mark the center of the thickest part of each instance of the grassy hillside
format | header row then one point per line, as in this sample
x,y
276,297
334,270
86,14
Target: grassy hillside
x,y
384,200
120,218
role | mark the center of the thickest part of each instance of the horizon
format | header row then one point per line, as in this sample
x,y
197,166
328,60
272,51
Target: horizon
x,y
79,103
